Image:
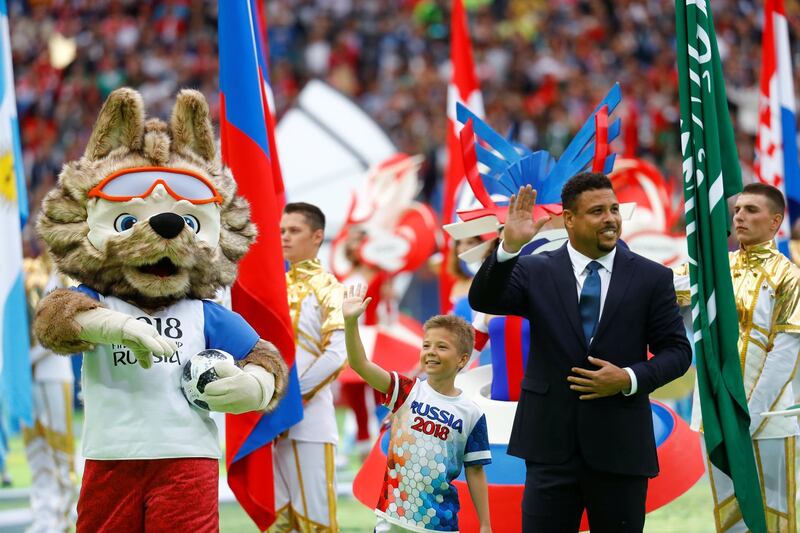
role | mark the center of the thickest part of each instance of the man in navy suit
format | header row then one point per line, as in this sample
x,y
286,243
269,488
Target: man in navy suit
x,y
583,423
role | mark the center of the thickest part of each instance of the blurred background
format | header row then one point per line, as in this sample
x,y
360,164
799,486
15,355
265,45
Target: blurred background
x,y
542,67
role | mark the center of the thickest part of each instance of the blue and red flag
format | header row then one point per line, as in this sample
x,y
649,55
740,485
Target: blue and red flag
x,y
776,140
262,45
259,293
510,338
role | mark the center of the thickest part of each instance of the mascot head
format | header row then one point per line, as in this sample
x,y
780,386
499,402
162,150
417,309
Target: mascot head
x,y
148,214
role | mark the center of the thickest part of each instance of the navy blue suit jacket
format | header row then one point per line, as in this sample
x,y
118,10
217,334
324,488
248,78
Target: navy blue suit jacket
x,y
613,434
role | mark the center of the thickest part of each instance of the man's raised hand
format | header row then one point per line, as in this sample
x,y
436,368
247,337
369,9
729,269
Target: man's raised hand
x,y
520,226
354,303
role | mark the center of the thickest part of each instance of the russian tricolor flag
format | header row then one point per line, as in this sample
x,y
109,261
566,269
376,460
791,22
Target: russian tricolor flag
x,y
262,46
259,293
776,144
15,366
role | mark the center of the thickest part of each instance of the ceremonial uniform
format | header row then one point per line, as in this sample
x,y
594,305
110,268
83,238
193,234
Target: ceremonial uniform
x,y
49,442
303,461
765,285
794,250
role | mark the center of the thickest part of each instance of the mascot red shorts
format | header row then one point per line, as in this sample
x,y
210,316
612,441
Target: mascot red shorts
x,y
153,495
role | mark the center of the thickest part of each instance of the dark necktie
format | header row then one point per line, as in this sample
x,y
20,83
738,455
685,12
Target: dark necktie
x,y
590,301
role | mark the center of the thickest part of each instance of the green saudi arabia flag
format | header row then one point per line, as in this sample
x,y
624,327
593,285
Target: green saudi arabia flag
x,y
711,174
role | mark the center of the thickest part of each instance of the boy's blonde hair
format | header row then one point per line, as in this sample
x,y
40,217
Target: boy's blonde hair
x,y
465,335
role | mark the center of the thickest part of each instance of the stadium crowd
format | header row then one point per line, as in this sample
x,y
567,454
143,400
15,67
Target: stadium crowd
x,y
542,66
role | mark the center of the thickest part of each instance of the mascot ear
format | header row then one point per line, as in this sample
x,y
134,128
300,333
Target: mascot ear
x,y
191,126
120,123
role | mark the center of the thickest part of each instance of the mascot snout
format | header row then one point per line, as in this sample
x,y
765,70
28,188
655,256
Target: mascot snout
x,y
167,225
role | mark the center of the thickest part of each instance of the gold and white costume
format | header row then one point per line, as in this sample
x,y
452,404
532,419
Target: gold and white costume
x,y
794,251
767,293
49,443
303,461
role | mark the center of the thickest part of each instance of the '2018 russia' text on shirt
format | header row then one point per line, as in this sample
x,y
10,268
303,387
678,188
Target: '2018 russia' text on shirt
x,y
434,413
169,327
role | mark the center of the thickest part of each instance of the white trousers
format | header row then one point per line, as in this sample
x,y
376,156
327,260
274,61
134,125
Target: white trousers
x,y
384,526
50,450
775,459
305,487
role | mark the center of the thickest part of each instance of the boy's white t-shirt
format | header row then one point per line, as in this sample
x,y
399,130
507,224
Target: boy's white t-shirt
x,y
432,436
137,413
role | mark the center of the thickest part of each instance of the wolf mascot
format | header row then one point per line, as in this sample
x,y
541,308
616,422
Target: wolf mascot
x,y
149,223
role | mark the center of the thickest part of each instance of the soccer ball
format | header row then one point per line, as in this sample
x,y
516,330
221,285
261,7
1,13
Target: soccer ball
x,y
199,372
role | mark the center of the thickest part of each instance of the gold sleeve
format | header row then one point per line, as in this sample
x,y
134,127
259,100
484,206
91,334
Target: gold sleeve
x,y
787,306
680,278
331,297
794,249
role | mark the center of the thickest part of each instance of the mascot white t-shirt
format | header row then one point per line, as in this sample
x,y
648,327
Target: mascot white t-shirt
x,y
137,413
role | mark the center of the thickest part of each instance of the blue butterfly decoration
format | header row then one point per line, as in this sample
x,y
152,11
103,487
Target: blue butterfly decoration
x,y
511,165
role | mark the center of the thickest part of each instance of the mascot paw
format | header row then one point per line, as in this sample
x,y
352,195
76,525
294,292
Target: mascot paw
x,y
145,341
239,390
104,326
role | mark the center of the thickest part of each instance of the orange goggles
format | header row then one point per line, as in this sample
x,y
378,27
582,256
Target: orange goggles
x,y
131,183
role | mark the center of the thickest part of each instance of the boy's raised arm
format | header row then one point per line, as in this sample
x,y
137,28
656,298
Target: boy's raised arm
x,y
353,307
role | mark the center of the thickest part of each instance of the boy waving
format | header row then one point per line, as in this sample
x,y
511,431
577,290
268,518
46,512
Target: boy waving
x,y
435,428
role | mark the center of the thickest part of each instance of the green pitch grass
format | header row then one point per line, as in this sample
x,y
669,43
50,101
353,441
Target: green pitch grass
x,y
353,518
691,513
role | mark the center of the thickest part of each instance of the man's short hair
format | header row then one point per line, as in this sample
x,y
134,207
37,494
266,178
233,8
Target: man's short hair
x,y
313,214
580,183
773,195
463,332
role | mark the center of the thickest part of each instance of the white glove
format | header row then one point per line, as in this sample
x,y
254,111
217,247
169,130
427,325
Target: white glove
x,y
239,390
104,326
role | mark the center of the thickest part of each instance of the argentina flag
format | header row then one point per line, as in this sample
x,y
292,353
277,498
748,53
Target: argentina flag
x,y
15,372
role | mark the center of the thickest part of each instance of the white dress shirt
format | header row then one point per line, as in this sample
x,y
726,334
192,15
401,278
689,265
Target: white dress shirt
x,y
579,264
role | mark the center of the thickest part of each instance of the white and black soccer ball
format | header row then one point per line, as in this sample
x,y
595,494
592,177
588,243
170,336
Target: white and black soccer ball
x,y
199,372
